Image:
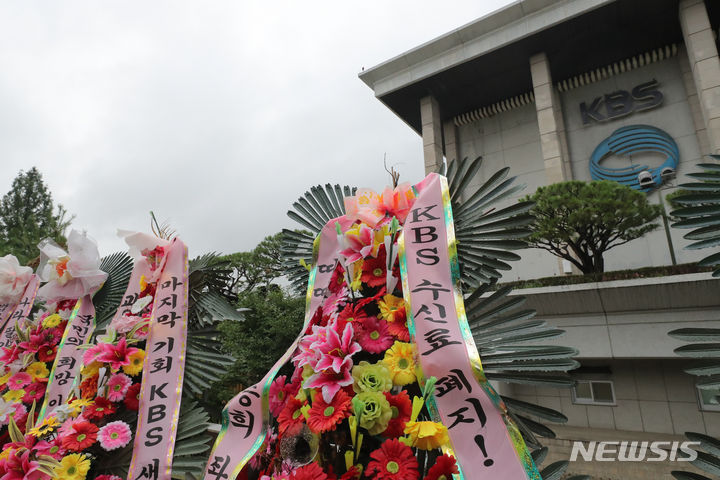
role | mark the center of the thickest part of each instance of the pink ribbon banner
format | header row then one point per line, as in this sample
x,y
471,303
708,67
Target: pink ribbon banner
x,y
6,309
69,357
245,418
483,439
19,312
163,370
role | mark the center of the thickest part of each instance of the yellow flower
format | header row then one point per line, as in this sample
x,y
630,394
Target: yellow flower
x,y
91,370
47,425
143,282
78,404
38,370
73,467
52,321
136,363
14,395
427,435
390,307
5,378
399,360
356,282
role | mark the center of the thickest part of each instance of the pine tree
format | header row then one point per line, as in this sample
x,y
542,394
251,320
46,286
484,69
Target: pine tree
x,y
27,215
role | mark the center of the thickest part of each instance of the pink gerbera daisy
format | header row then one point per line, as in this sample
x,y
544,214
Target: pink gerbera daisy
x,y
118,386
114,435
278,395
19,381
374,336
34,391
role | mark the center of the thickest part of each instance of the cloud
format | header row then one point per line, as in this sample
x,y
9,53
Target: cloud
x,y
216,116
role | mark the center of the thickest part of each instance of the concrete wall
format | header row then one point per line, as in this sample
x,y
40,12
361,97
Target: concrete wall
x,y
510,139
608,319
651,396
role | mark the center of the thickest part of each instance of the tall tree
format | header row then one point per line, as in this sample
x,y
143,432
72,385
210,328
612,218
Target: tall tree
x,y
273,318
580,221
259,267
27,215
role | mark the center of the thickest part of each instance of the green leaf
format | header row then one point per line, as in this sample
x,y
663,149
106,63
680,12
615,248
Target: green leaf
x,y
696,334
679,475
707,463
699,350
554,471
107,300
535,410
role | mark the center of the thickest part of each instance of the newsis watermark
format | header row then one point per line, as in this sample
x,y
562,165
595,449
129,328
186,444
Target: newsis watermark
x,y
634,451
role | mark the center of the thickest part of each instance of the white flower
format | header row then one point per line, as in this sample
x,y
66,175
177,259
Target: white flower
x,y
13,278
70,274
63,412
6,408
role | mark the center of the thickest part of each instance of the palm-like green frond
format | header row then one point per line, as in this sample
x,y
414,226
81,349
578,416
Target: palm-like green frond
x,y
505,335
210,301
118,266
700,211
485,233
708,371
191,442
205,363
313,210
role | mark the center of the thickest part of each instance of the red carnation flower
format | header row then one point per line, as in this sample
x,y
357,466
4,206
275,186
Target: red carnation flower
x,y
352,313
99,409
132,397
88,387
34,391
374,270
401,409
444,468
399,329
352,474
393,461
309,472
47,353
325,416
290,415
337,280
82,435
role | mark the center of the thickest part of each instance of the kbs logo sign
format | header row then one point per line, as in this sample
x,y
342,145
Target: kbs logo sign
x,y
621,103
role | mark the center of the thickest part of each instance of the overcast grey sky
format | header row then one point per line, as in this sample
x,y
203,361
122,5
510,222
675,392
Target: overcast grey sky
x,y
215,115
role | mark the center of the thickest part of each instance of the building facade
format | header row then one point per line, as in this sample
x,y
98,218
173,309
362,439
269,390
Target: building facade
x,y
581,89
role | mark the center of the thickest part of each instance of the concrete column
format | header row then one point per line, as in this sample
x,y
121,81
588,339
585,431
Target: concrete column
x,y
553,140
693,102
450,140
705,65
431,133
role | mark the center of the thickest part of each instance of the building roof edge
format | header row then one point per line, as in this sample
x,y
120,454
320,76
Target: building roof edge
x,y
488,33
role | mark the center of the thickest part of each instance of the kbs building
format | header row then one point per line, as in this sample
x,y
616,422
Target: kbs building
x,y
579,89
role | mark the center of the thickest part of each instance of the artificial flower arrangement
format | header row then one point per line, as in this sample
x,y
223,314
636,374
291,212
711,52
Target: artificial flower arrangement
x,y
351,404
100,414
100,417
26,363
